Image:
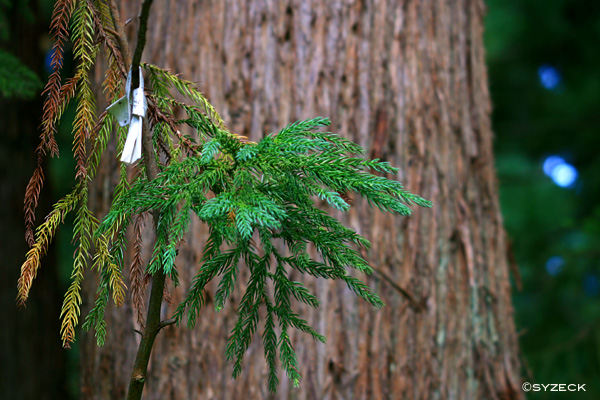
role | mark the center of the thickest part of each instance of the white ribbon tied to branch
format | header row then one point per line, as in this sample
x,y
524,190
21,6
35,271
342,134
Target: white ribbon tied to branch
x,y
131,110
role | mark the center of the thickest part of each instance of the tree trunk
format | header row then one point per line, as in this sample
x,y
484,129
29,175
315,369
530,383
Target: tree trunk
x,y
407,80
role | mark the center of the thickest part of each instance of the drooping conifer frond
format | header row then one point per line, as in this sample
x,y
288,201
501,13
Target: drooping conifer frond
x,y
54,105
87,129
43,237
32,195
85,53
137,275
186,88
69,314
103,23
109,262
269,189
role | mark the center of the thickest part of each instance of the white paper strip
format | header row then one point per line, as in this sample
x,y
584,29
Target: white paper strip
x,y
140,104
131,109
120,110
132,151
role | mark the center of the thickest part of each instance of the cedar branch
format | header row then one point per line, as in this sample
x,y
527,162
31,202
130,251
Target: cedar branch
x,y
153,322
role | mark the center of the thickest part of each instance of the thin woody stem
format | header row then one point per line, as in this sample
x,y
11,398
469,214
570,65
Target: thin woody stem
x,y
141,42
120,34
153,321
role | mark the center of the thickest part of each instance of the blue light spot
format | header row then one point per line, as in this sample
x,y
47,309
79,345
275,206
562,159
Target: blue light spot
x,y
551,162
562,173
549,76
554,265
591,285
48,60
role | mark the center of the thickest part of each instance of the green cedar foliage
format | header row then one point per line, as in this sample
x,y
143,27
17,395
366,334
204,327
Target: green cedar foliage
x,y
252,195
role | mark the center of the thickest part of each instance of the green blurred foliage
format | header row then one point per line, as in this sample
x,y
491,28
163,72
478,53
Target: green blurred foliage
x,y
558,315
16,79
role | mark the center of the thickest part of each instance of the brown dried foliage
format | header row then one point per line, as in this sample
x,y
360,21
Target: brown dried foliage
x,y
28,273
103,24
55,99
137,275
54,104
32,195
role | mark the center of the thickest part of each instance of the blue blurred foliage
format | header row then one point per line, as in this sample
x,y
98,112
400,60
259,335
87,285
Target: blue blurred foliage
x,y
544,72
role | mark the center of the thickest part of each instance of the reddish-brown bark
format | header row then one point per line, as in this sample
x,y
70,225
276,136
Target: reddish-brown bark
x,y
407,80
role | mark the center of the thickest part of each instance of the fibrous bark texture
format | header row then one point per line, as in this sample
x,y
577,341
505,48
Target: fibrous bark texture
x,y
407,80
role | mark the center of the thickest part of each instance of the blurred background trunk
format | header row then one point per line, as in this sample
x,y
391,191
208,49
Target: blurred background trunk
x,y
406,80
32,362
31,349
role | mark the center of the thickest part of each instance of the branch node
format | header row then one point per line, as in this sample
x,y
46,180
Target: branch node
x,y
166,322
